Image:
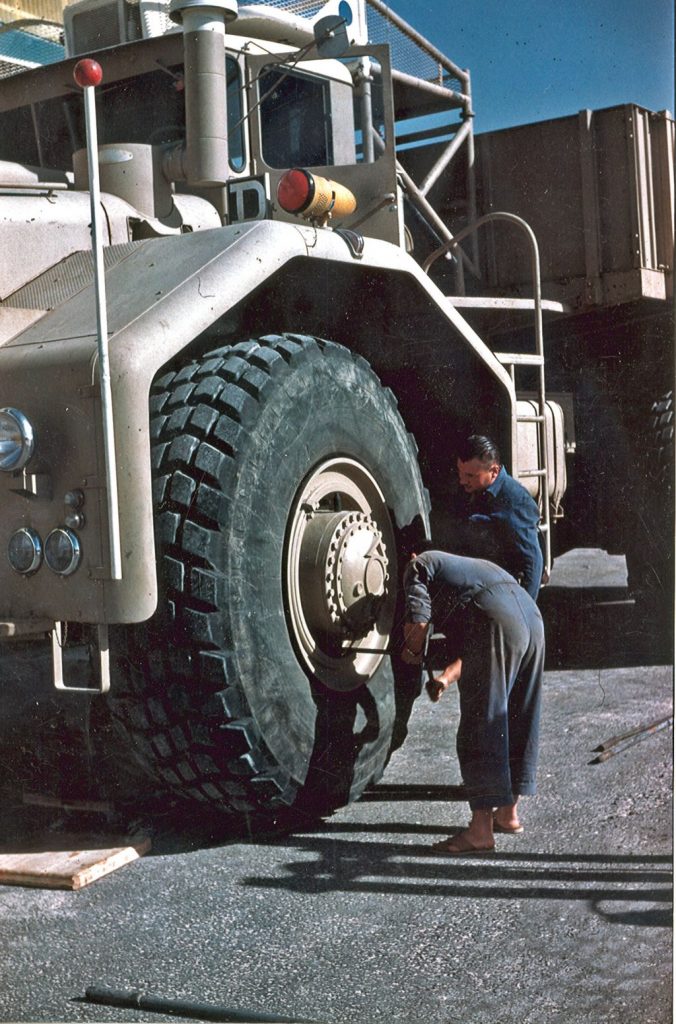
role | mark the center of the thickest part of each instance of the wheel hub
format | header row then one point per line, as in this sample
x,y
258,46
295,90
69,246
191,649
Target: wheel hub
x,y
343,552
340,561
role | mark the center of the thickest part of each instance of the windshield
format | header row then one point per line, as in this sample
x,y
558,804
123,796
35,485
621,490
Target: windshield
x,y
320,120
148,108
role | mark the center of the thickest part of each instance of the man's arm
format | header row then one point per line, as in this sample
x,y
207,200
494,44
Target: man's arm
x,y
525,541
418,611
517,521
415,635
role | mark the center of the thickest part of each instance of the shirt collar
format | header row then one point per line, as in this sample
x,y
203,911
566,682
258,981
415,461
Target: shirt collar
x,y
497,485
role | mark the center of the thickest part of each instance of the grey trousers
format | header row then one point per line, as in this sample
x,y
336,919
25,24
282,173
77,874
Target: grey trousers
x,y
500,690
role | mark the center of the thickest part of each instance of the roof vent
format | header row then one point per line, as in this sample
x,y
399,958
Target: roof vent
x,y
96,24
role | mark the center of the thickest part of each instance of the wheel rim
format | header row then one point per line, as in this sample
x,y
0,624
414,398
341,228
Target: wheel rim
x,y
339,573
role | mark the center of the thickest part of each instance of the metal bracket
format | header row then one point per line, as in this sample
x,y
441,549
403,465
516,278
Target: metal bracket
x,y
103,661
353,240
33,485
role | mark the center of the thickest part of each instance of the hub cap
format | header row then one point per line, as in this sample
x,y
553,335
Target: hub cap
x,y
340,573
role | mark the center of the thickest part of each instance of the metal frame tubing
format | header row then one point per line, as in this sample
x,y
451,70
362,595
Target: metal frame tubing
x,y
424,44
539,343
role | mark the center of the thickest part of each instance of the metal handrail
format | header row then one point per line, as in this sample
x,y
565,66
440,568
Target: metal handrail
x,y
539,344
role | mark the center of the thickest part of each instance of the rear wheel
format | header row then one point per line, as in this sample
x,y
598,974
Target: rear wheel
x,y
284,476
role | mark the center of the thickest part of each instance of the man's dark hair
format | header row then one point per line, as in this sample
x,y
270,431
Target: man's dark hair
x,y
479,447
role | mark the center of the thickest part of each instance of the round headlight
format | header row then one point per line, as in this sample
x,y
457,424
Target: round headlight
x,y
62,551
17,440
24,551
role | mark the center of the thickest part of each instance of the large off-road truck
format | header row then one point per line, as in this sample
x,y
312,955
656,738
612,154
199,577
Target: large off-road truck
x,y
223,427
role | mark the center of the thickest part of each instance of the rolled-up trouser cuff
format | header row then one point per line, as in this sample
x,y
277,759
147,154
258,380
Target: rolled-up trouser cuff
x,y
524,789
484,803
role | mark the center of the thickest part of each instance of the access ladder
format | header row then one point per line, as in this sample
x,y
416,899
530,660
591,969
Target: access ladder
x,y
513,361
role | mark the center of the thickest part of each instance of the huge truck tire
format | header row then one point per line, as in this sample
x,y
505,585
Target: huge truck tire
x,y
284,478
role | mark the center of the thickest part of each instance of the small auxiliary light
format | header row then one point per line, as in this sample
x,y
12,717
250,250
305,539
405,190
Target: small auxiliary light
x,y
17,440
313,197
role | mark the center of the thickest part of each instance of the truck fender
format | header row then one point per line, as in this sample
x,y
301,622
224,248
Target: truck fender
x,y
164,295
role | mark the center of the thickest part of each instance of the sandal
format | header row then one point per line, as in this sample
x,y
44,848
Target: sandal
x,y
506,830
459,846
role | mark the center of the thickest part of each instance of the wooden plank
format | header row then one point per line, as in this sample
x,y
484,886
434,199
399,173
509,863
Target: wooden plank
x,y
67,861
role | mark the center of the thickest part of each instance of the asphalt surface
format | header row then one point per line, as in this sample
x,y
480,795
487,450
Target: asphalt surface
x,y
357,920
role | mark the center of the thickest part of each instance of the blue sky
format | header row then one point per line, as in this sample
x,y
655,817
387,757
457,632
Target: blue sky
x,y
536,59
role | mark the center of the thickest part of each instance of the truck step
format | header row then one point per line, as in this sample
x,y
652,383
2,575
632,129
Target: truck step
x,y
519,358
498,302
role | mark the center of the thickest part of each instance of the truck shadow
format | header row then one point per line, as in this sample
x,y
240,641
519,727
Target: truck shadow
x,y
602,627
415,869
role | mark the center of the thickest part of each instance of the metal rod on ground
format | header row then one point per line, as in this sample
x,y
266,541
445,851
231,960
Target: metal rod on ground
x,y
614,740
184,1007
640,735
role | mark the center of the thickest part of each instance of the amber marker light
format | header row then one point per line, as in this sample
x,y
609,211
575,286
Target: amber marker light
x,y
314,197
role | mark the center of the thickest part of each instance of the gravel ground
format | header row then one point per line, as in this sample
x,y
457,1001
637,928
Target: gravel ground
x,y
357,920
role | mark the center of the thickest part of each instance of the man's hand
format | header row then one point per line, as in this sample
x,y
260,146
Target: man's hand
x,y
435,688
414,642
451,674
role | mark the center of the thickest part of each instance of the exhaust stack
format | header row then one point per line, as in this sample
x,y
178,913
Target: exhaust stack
x,y
203,160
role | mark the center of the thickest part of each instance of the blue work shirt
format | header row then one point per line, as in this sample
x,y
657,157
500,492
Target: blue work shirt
x,y
503,522
439,585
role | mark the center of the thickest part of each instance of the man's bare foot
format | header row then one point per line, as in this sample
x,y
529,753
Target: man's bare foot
x,y
506,820
476,838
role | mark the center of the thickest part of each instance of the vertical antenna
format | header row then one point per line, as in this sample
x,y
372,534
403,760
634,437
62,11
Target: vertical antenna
x,y
88,74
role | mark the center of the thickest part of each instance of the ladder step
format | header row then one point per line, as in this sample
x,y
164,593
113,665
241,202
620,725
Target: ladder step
x,y
530,472
530,419
519,359
500,302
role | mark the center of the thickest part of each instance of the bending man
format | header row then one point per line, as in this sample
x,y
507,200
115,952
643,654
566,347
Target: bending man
x,y
497,636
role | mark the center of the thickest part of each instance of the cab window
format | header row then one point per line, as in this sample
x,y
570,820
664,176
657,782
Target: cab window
x,y
236,151
295,119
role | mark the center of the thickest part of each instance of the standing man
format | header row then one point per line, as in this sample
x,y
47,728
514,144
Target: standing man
x,y
500,517
497,636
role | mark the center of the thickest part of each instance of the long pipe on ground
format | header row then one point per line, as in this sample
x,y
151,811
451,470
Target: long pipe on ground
x,y
183,1007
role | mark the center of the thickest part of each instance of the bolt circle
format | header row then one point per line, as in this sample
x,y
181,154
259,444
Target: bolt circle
x,y
338,571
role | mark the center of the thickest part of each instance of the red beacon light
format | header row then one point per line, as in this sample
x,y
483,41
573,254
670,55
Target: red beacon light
x,y
313,197
87,72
